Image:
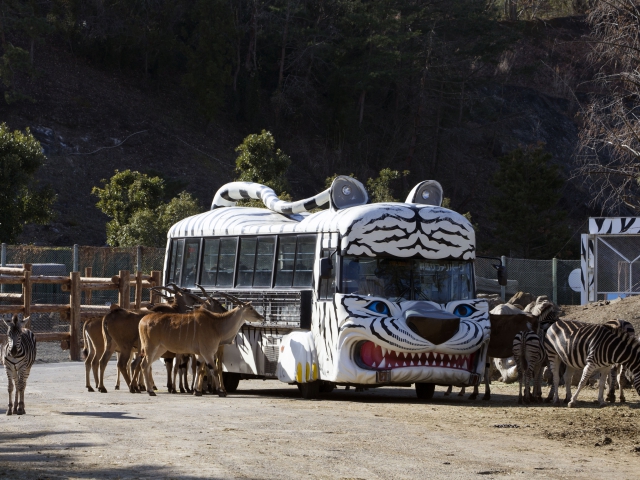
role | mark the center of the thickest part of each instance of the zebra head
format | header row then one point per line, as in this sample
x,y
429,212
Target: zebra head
x,y
14,333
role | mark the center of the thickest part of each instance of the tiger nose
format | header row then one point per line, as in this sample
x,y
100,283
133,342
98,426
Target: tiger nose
x,y
435,326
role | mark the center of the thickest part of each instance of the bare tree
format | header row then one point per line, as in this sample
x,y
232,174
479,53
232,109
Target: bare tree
x,y
609,158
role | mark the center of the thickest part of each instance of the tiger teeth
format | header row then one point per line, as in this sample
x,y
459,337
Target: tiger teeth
x,y
396,359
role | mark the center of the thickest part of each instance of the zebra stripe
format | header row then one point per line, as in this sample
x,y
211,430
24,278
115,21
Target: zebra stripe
x,y
618,371
530,357
590,348
18,354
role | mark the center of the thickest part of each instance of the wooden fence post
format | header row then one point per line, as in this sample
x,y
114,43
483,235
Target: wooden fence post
x,y
124,289
74,304
138,300
155,279
26,292
88,272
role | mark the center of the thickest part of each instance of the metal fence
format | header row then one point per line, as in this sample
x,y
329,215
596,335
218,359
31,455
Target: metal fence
x,y
538,277
103,261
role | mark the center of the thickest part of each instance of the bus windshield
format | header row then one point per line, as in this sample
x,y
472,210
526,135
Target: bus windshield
x,y
407,279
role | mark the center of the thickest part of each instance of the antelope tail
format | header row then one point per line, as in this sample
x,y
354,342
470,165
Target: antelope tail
x,y
85,350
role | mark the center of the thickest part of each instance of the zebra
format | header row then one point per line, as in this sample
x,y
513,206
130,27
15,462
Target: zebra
x,y
18,355
591,348
530,357
618,370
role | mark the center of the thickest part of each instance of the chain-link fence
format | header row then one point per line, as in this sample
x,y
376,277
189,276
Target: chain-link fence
x,y
59,261
538,277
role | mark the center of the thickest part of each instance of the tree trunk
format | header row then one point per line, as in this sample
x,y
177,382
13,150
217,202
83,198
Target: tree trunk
x,y
362,96
284,46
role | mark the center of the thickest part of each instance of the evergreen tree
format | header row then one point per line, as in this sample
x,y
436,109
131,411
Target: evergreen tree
x,y
139,215
261,162
20,201
528,220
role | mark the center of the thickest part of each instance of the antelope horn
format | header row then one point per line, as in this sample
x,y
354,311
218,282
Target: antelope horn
x,y
231,297
204,292
157,290
192,296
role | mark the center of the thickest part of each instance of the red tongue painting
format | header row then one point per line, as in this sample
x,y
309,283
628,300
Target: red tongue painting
x,y
371,355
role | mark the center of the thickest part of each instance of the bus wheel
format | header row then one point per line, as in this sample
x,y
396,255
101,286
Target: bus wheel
x,y
231,381
309,391
327,387
425,390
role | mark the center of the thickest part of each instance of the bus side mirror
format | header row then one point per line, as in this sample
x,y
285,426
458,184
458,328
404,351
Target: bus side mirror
x,y
502,274
325,268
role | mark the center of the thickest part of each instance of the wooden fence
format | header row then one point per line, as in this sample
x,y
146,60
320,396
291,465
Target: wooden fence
x,y
75,312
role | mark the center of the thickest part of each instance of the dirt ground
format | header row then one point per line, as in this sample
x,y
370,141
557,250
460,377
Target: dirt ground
x,y
266,431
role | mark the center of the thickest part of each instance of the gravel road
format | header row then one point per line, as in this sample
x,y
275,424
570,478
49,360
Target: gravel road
x,y
266,431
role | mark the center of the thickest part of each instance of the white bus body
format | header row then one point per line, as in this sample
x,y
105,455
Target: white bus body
x,y
396,308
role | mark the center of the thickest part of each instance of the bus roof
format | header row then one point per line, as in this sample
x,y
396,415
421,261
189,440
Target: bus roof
x,y
379,229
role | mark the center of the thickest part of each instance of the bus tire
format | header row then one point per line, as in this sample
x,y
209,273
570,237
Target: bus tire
x,y
424,391
231,381
310,390
327,387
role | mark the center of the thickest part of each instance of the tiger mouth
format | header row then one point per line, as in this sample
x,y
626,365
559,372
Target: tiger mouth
x,y
375,357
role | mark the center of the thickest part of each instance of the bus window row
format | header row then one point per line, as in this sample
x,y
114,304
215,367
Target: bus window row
x,y
284,261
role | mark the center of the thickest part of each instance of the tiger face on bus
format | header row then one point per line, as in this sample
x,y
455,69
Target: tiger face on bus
x,y
415,341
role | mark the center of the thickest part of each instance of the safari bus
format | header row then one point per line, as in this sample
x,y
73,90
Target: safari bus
x,y
353,293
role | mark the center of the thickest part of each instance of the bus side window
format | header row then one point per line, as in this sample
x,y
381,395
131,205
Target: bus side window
x,y
227,262
190,270
285,261
176,261
264,262
246,261
305,256
210,261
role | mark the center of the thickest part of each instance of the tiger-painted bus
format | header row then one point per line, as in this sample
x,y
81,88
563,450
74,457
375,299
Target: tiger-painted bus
x,y
358,294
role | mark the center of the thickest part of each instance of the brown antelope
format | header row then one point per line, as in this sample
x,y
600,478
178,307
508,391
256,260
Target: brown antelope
x,y
200,333
120,332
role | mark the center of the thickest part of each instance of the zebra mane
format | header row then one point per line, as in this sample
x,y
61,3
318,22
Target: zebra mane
x,y
543,309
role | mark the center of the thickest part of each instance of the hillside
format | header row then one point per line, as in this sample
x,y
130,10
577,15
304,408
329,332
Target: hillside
x,y
93,119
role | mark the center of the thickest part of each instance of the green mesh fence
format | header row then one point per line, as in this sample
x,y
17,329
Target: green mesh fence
x,y
532,276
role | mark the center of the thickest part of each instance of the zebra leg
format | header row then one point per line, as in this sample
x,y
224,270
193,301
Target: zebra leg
x,y
604,374
586,374
554,363
568,377
520,374
20,387
611,377
10,388
621,373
